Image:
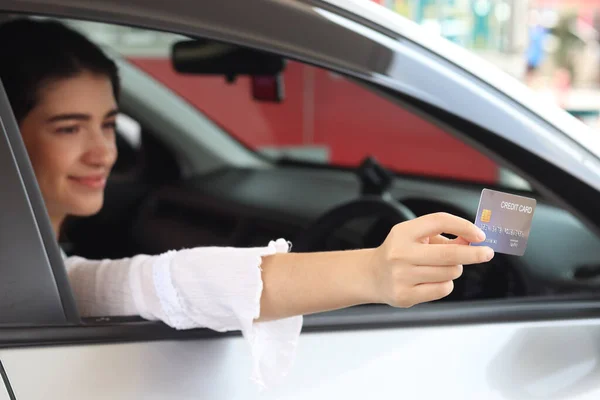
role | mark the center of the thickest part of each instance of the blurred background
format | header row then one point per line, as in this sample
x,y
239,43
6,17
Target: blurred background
x,y
553,46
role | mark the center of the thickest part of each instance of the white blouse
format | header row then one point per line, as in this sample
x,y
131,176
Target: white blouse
x,y
206,287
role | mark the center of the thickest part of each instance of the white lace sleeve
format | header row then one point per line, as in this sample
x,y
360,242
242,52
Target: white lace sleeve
x,y
211,287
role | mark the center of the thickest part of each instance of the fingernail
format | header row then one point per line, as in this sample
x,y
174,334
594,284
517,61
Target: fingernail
x,y
481,235
489,254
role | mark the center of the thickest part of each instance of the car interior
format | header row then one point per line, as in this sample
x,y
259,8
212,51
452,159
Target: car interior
x,y
153,205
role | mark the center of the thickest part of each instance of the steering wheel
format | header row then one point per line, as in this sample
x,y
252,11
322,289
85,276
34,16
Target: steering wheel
x,y
375,201
383,207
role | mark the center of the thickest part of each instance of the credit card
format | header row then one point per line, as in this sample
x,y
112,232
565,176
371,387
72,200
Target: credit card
x,y
506,220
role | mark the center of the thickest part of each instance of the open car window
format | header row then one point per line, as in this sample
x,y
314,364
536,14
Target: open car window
x,y
327,119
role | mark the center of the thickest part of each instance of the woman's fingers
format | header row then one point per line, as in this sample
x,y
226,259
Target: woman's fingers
x,y
436,274
439,239
435,224
448,254
432,291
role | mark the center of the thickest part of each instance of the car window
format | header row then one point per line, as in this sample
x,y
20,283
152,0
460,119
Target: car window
x,y
324,117
328,119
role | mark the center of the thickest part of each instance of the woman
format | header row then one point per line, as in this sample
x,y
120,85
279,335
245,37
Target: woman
x,y
64,94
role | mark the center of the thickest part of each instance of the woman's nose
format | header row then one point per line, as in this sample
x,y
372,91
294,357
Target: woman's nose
x,y
101,149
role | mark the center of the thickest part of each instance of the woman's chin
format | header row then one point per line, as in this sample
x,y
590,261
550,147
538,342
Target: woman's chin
x,y
86,210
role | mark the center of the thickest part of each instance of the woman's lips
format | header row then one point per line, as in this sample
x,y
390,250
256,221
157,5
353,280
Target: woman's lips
x,y
92,182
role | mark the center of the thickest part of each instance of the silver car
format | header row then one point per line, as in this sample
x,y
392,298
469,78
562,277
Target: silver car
x,y
382,110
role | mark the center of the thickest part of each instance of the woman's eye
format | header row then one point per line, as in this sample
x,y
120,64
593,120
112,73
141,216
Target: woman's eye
x,y
112,126
68,129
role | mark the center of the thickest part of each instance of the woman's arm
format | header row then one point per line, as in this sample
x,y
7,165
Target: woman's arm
x,y
414,265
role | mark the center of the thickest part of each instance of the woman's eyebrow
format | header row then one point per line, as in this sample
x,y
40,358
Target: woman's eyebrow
x,y
111,113
69,116
79,116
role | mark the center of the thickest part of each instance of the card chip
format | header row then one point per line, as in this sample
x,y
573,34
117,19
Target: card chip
x,y
486,215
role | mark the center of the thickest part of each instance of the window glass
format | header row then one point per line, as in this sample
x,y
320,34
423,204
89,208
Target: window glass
x,y
326,118
323,118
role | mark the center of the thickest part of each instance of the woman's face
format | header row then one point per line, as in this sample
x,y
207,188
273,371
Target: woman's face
x,y
70,138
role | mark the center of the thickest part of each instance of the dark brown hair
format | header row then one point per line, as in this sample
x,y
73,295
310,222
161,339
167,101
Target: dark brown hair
x,y
36,52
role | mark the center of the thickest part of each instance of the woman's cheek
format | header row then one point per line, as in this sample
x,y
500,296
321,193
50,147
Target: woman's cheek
x,y
63,153
115,154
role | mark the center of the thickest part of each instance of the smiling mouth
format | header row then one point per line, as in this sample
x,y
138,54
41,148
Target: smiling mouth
x,y
91,182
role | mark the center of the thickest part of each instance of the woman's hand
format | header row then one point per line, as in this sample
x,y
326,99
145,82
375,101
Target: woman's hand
x,y
416,264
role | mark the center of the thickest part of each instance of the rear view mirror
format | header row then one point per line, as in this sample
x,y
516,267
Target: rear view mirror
x,y
214,58
205,57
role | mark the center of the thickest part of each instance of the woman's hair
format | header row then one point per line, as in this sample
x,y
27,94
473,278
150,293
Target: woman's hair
x,y
36,52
